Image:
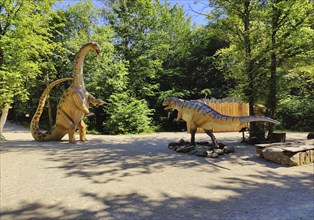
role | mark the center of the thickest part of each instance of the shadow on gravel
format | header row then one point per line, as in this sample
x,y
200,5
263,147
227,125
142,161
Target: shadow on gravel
x,y
101,161
251,200
283,196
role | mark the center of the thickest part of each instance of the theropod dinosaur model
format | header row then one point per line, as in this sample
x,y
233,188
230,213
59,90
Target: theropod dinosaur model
x,y
72,107
198,114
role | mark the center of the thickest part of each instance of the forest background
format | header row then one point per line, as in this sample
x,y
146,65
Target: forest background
x,y
258,51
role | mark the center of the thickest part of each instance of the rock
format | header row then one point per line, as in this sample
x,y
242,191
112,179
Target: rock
x,y
213,155
185,149
221,145
310,135
176,147
203,147
190,148
219,151
192,152
171,145
201,153
227,149
183,142
203,143
179,149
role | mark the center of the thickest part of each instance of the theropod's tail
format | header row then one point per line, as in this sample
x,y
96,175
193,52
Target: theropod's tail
x,y
246,119
37,135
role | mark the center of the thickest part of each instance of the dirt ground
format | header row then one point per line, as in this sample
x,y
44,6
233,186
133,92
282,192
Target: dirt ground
x,y
138,177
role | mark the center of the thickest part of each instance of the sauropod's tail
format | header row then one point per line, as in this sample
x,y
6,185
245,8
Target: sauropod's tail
x,y
37,135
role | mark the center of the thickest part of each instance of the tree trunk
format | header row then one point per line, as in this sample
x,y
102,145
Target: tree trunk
x,y
249,91
248,61
3,119
272,95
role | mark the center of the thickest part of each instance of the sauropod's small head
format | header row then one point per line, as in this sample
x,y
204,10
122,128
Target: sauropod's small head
x,y
92,46
170,103
96,48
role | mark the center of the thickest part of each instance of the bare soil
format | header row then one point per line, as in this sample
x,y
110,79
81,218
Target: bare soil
x,y
138,177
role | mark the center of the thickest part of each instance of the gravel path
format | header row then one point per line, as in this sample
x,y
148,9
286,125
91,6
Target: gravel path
x,y
138,177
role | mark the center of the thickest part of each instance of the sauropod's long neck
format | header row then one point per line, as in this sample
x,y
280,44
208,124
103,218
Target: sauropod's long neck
x,y
78,79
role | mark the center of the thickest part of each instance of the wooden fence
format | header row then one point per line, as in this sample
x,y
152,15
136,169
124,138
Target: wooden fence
x,y
227,108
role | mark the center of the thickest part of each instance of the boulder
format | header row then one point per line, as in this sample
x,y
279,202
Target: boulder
x,y
276,155
310,135
227,149
291,154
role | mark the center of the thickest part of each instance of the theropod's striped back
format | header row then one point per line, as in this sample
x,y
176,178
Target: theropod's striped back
x,y
205,109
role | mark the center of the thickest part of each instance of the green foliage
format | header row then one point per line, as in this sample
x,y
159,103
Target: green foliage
x,y
202,76
24,40
150,52
296,113
135,26
269,42
154,39
127,115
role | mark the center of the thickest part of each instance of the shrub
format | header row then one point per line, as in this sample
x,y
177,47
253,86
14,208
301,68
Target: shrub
x,y
127,115
296,113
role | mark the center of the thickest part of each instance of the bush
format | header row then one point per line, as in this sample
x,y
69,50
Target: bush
x,y
127,115
296,113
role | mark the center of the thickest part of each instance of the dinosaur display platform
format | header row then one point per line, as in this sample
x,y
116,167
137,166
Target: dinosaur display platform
x,y
202,149
290,153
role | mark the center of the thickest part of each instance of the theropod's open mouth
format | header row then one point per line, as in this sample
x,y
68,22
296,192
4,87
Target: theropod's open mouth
x,y
167,105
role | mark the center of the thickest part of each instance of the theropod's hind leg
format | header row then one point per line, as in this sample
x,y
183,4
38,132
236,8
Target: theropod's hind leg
x,y
214,140
193,131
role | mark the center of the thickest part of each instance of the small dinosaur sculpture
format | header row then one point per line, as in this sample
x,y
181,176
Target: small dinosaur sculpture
x,y
198,114
72,107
